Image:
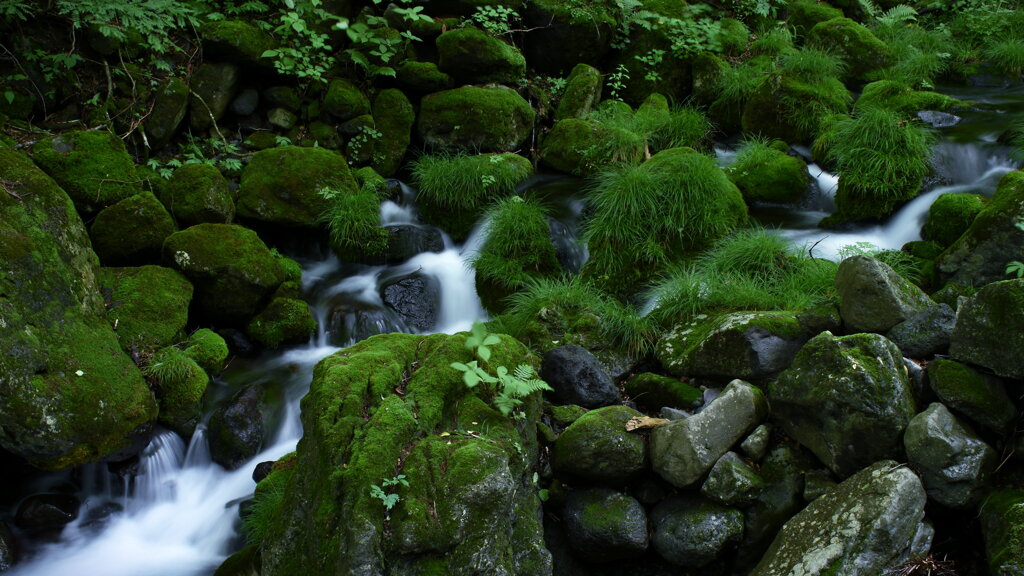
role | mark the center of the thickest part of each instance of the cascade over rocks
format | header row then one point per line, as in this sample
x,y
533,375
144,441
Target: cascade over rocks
x,y
862,527
847,399
873,297
68,393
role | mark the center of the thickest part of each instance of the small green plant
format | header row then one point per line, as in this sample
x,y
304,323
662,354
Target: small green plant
x,y
1016,266
222,154
651,61
495,20
265,513
388,498
304,51
617,81
509,388
360,146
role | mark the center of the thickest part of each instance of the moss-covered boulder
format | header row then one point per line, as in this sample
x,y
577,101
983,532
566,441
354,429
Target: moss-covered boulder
x,y
862,51
237,42
199,193
391,408
212,87
597,449
847,399
170,104
747,345
131,232
208,349
767,174
286,186
68,394
950,216
93,167
990,328
344,100
865,525
897,96
562,35
393,118
147,306
692,532
180,384
472,57
791,109
1002,525
654,391
233,271
731,482
802,15
477,118
581,148
283,321
582,92
604,525
993,239
415,77
707,71
980,397
873,297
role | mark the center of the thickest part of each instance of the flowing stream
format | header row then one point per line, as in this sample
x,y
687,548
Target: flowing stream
x,y
176,512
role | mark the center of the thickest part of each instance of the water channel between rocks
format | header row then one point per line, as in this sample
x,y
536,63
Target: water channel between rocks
x,y
176,512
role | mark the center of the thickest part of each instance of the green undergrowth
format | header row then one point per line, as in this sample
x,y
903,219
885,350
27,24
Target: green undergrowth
x,y
754,269
656,123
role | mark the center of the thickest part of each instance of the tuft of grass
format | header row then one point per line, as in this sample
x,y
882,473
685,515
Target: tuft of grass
x,y
754,269
658,128
264,516
812,65
466,182
1007,53
353,222
919,55
774,41
170,366
518,245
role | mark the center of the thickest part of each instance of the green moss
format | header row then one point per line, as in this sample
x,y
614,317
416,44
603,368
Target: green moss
x,y
518,248
344,101
235,41
146,306
860,49
1002,524
370,181
393,117
285,186
790,108
422,77
654,391
199,193
484,119
582,92
581,148
93,167
208,350
765,174
733,36
353,221
566,414
283,321
950,216
901,98
455,190
132,231
802,15
180,384
472,57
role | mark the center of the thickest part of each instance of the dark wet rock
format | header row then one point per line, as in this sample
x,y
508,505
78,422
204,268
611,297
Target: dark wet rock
x,y
692,532
597,449
732,482
246,102
169,108
865,525
408,240
46,511
603,525
656,391
213,87
989,329
847,399
1002,525
236,428
954,463
682,451
416,298
8,548
925,332
577,377
756,444
980,397
873,297
262,470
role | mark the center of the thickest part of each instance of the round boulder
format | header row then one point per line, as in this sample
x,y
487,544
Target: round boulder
x,y
577,377
484,119
603,525
692,532
596,448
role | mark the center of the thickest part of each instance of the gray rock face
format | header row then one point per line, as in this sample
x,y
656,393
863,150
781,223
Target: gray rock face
x,y
938,119
745,345
925,332
416,298
847,399
981,397
755,445
861,527
989,329
682,451
577,377
596,448
731,482
692,532
873,297
953,461
408,240
236,429
603,525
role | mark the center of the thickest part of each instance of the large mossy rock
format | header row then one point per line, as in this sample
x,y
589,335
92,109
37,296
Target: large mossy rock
x,y
873,297
146,306
989,329
602,525
472,57
391,405
213,86
582,148
682,451
233,271
345,101
692,532
746,345
180,384
980,397
802,15
954,463
596,448
68,393
950,216
286,186
169,108
847,399
861,50
865,526
790,109
582,92
477,118
283,321
238,42
980,255
131,232
199,193
773,176
1002,525
393,118
93,167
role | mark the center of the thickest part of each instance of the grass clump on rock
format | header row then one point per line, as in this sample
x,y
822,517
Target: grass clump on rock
x,y
765,173
881,157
